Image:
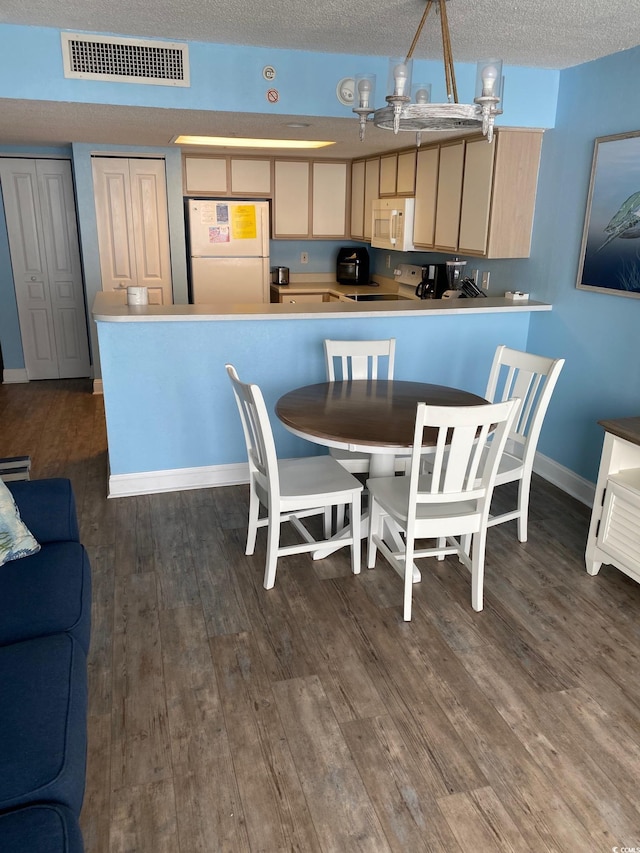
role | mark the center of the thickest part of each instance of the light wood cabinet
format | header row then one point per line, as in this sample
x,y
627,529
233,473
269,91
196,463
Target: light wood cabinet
x,y
310,199
426,187
291,199
388,174
365,189
398,173
294,298
223,176
371,192
406,174
329,200
357,199
206,175
449,196
499,194
250,177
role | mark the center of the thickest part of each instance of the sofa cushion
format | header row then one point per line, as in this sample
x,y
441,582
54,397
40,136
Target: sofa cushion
x,y
48,508
42,828
16,540
43,729
46,593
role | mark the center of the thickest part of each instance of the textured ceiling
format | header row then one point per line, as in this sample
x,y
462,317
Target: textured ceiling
x,y
539,33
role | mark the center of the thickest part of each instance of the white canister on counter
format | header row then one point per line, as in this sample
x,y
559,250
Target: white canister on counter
x,y
137,296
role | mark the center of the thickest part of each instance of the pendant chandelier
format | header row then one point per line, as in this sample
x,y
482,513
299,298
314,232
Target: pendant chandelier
x,y
421,115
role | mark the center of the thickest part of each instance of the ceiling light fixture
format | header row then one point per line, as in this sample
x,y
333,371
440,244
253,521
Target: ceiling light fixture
x,y
401,114
245,142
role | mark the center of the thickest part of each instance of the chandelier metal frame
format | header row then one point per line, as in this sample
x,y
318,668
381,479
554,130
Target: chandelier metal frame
x,y
402,115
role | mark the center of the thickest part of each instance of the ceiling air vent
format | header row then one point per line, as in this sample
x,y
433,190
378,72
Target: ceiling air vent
x,y
158,63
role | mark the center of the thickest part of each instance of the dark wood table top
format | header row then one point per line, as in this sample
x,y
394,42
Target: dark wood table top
x,y
627,428
371,415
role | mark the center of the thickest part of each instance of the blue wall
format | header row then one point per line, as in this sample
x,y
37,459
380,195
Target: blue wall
x,y
597,333
180,380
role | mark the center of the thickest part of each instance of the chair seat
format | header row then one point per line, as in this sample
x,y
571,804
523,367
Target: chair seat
x,y
509,469
319,478
392,493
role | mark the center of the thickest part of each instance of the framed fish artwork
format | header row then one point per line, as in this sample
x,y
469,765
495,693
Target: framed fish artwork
x,y
610,255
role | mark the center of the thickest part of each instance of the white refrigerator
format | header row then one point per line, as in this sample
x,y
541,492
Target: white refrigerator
x,y
229,248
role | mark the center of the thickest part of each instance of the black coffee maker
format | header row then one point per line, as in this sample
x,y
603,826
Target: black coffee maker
x,y
434,281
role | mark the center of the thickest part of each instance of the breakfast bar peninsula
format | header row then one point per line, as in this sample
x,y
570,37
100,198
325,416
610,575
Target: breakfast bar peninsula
x,y
171,419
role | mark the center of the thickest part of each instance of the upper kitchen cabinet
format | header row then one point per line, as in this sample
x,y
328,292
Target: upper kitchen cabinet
x,y
365,188
424,222
227,176
398,173
499,194
329,198
291,199
310,199
449,196
478,198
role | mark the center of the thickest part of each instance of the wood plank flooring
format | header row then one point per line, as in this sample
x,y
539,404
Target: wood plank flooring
x,y
311,718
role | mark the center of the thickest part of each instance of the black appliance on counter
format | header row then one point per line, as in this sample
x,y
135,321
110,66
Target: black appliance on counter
x,y
352,266
434,281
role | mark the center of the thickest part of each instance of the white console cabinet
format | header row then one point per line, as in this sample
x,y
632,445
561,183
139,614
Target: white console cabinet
x,y
614,532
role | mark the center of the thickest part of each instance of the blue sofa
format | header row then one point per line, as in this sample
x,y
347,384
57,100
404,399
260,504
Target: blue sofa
x,y
45,623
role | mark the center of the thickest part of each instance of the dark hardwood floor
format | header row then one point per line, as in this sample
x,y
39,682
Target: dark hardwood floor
x,y
311,718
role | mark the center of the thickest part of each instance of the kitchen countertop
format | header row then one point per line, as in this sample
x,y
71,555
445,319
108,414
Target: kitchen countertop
x,y
112,307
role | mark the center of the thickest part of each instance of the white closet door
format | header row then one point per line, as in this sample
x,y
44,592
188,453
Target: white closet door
x,y
133,225
43,241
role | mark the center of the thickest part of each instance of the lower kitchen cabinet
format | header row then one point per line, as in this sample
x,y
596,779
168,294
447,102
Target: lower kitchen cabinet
x,y
294,298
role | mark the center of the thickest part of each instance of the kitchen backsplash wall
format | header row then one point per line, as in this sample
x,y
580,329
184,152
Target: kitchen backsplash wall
x,y
322,254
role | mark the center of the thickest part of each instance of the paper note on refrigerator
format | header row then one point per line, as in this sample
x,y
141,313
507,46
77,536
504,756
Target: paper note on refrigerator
x,y
243,222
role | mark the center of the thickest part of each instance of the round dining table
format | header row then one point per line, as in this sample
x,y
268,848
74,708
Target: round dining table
x,y
375,416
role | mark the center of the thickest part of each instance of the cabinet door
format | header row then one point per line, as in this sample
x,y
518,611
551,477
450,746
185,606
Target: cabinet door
x,y
294,298
371,192
291,198
406,176
357,199
449,196
476,196
388,173
426,196
329,200
206,175
250,177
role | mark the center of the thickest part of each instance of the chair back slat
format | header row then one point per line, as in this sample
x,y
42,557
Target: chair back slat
x,y
359,359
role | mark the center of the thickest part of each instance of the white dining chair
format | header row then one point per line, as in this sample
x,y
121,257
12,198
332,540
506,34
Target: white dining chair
x,y
532,379
290,489
451,501
359,360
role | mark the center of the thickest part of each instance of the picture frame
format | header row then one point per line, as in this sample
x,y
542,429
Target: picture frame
x,y
610,252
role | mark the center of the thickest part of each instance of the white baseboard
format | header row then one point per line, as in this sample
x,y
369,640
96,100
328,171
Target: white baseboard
x,y
97,386
212,476
177,480
571,483
14,376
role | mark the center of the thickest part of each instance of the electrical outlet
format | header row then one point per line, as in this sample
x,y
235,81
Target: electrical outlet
x,y
485,280
388,262
304,257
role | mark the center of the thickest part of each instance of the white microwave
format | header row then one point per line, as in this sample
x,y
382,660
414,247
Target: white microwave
x,y
392,224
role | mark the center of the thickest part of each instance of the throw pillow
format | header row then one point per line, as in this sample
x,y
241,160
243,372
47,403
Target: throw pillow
x,y
15,538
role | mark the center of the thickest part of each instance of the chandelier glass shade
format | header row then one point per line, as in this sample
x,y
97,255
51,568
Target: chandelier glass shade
x,y
410,108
